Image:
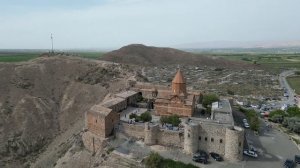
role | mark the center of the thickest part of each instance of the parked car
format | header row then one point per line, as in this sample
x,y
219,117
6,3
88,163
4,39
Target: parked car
x,y
289,163
200,153
297,159
200,160
250,153
244,120
216,156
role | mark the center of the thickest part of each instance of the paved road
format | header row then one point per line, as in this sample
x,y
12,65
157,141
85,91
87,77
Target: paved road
x,y
283,82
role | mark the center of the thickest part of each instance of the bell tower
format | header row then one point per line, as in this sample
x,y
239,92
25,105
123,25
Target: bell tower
x,y
178,84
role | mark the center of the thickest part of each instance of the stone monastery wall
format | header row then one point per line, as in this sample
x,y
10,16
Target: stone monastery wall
x,y
170,138
132,130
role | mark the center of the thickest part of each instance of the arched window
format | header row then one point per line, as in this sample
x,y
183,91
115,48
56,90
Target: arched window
x,y
221,140
96,121
212,139
205,138
199,138
240,144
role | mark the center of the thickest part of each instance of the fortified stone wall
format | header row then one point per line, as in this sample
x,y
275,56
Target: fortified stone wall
x,y
234,143
95,124
191,134
151,134
93,142
212,138
110,121
171,138
218,138
132,130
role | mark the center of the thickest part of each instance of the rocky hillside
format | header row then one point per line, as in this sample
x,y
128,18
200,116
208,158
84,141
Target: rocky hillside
x,y
43,98
139,54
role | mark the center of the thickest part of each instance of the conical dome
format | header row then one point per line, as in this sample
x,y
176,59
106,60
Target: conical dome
x,y
178,77
178,84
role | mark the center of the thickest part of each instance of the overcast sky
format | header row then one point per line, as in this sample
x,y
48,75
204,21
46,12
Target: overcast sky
x,y
81,24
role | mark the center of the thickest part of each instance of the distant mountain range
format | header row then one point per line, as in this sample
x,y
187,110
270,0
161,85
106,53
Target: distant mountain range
x,y
237,44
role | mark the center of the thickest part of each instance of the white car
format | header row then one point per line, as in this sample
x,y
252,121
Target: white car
x,y
244,120
250,153
246,125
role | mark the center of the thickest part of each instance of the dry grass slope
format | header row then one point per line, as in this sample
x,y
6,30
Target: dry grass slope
x,y
44,97
139,54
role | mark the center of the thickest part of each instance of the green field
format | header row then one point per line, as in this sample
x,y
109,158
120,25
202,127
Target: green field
x,y
90,55
276,62
294,82
17,57
25,56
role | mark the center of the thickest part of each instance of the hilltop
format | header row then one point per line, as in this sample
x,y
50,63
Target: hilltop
x,y
47,97
139,54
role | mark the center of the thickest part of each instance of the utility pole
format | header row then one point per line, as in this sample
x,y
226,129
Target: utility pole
x,y
52,51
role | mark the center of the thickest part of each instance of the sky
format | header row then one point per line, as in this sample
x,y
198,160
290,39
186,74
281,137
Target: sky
x,y
100,24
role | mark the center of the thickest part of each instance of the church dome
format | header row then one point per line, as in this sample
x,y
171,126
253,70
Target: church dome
x,y
178,77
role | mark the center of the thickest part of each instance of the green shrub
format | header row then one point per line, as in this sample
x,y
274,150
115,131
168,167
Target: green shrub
x,y
277,112
173,119
154,160
146,116
132,115
208,99
292,123
293,111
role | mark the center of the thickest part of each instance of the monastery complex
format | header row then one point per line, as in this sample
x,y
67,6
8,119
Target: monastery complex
x,y
215,134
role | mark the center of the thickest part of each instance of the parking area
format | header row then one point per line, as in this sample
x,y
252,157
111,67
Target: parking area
x,y
273,146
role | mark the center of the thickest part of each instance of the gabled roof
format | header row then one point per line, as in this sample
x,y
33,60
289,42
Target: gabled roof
x,y
126,94
178,77
111,102
99,109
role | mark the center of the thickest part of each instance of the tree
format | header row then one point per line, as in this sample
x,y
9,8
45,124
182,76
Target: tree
x,y
277,112
277,118
173,119
293,111
146,116
132,115
208,100
292,123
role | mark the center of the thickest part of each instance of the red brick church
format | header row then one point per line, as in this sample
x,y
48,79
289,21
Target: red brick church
x,y
177,100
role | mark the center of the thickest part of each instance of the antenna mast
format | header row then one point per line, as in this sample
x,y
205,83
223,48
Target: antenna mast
x,y
52,43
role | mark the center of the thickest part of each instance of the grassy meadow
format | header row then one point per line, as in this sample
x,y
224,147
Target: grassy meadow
x,y
17,57
21,56
294,82
275,62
